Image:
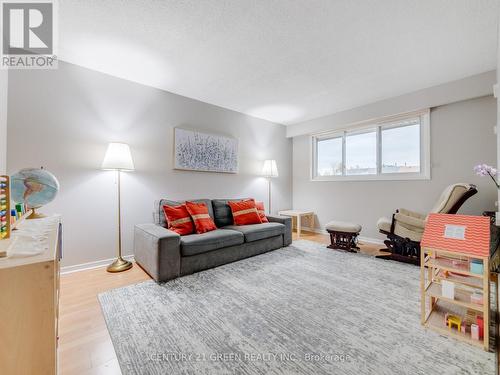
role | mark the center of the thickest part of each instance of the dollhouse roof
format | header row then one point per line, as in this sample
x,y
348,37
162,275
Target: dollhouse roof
x,y
458,233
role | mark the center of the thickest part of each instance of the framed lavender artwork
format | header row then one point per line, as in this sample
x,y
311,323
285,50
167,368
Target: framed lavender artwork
x,y
205,152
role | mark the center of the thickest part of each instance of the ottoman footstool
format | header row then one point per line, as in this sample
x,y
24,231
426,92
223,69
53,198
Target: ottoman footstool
x,y
343,235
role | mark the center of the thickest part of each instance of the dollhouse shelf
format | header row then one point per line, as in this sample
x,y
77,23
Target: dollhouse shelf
x,y
448,258
436,318
445,264
435,305
462,297
460,279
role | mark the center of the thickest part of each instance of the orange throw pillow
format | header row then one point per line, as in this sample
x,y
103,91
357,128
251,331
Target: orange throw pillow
x,y
244,212
262,211
178,219
202,220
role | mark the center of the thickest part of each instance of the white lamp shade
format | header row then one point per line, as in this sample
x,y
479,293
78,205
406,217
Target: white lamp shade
x,y
118,157
270,168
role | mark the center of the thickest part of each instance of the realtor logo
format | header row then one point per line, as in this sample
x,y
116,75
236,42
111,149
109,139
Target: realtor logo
x,y
28,34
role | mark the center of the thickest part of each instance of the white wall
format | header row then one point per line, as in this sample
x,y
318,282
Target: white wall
x,y
63,120
3,121
461,136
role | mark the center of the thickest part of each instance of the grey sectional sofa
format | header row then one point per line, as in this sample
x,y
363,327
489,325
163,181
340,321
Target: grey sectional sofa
x,y
165,255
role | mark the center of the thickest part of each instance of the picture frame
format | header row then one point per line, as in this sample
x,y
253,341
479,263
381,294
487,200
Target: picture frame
x,y
205,152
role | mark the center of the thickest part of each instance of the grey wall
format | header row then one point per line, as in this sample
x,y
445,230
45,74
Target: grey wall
x,y
63,120
461,136
3,121
497,94
451,92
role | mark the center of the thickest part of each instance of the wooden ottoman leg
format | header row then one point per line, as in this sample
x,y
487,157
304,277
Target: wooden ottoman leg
x,y
343,240
333,240
354,242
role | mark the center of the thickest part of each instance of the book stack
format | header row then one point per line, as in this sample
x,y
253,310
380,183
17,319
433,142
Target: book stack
x,y
4,207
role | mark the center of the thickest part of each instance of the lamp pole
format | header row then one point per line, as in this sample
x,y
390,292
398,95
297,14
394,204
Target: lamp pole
x,y
269,182
118,175
119,264
270,170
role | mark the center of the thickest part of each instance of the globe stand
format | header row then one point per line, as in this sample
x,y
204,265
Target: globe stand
x,y
35,215
34,188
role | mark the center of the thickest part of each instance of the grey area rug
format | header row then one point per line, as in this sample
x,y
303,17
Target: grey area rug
x,y
303,309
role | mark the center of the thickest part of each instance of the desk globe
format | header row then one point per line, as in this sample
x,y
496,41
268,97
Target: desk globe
x,y
35,188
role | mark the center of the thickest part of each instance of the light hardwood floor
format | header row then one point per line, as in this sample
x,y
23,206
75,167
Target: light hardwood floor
x,y
367,248
85,347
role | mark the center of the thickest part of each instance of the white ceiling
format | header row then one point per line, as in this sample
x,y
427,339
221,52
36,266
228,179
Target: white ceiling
x,y
282,60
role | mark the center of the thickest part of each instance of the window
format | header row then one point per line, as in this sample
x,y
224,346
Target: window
x,y
394,148
361,153
330,157
401,148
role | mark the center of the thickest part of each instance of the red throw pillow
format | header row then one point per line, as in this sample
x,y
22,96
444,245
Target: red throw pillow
x,y
202,220
178,219
244,212
262,211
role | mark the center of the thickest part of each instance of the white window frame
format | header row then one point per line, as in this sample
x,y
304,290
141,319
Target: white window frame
x,y
378,125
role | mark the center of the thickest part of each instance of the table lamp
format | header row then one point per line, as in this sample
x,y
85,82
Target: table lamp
x,y
269,170
118,158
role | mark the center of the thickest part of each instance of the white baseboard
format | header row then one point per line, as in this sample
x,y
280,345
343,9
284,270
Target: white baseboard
x,y
92,265
371,240
374,241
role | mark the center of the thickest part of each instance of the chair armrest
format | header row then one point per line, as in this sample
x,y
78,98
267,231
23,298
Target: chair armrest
x,y
406,212
157,250
409,221
287,222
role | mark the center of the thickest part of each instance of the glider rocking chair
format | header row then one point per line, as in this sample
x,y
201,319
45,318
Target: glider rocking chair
x,y
406,227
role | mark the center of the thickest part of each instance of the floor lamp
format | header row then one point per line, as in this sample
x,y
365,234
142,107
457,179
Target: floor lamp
x,y
270,170
119,159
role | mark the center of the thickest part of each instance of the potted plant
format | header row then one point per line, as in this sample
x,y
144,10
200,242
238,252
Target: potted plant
x,y
487,170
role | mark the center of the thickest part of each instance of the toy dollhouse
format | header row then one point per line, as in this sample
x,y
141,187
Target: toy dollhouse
x,y
454,277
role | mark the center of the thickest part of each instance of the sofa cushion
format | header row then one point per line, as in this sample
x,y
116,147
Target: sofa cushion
x,y
159,217
203,222
343,226
178,219
255,232
262,211
222,212
384,224
193,244
245,212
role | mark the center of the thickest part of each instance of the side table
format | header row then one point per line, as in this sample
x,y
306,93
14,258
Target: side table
x,y
298,215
